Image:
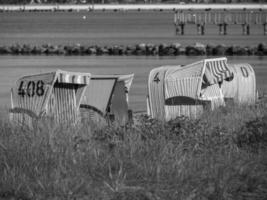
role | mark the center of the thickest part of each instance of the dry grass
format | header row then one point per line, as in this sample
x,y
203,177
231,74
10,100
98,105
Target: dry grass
x,y
220,156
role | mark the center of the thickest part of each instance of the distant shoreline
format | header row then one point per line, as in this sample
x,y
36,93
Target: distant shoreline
x,y
125,7
143,49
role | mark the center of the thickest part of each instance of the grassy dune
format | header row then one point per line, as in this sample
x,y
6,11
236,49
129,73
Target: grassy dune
x,y
220,156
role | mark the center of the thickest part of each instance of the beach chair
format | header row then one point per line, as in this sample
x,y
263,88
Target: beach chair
x,y
107,97
54,94
175,91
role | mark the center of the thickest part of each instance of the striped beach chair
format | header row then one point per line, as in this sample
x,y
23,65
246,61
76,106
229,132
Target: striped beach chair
x,y
54,94
186,91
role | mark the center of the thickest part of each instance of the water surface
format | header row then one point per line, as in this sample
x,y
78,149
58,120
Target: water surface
x,y
112,28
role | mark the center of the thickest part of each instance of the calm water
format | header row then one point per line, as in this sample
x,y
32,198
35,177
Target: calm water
x,y
13,67
109,28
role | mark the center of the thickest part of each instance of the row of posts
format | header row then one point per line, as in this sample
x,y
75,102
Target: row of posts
x,y
222,18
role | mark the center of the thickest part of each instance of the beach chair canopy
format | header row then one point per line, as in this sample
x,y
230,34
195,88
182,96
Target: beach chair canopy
x,y
108,95
241,88
57,94
175,90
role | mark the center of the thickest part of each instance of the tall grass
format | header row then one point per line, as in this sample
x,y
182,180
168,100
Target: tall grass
x,y
222,155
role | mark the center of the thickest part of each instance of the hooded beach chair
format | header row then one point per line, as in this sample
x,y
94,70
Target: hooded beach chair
x,y
107,98
54,94
185,91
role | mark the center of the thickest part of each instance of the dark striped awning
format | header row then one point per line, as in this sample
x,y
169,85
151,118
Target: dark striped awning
x,y
216,71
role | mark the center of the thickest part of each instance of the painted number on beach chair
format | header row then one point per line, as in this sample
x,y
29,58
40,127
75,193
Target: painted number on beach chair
x,y
31,88
156,78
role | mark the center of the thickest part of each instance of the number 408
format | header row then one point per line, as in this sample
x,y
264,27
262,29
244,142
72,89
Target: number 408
x,y
31,88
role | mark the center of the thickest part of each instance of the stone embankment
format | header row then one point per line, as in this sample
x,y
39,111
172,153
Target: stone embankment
x,y
174,49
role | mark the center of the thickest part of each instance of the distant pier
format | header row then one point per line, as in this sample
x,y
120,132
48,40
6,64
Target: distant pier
x,y
221,15
221,18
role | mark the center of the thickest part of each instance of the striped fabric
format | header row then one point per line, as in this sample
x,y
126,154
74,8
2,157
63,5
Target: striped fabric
x,y
68,77
190,111
156,93
178,72
55,94
62,103
192,72
246,84
186,87
217,70
242,88
172,81
230,88
213,94
182,87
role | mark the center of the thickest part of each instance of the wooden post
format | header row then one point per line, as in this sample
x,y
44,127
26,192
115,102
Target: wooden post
x,y
175,23
179,29
179,23
198,29
244,29
182,28
225,29
248,29
220,29
175,18
264,23
202,29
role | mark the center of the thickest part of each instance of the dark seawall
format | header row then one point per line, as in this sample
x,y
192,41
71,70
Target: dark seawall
x,y
143,49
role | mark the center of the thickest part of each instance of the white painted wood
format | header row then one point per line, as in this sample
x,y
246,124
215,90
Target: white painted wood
x,y
134,7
